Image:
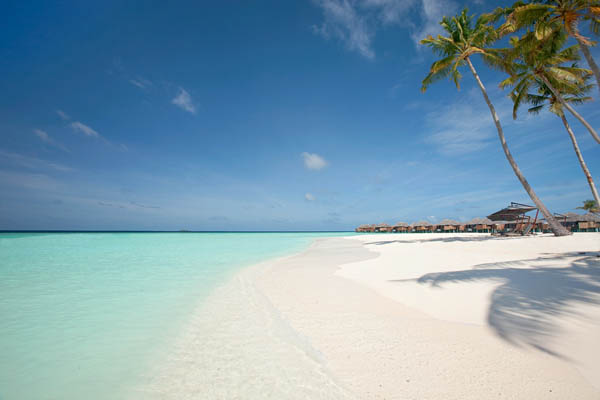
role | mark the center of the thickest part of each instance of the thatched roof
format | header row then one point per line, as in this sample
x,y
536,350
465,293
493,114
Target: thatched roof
x,y
480,221
382,225
421,223
511,213
449,222
400,224
574,217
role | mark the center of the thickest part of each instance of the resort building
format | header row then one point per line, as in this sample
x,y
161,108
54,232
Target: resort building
x,y
479,225
422,226
514,224
589,222
449,226
401,227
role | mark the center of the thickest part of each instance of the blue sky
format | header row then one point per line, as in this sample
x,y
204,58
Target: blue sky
x,y
264,115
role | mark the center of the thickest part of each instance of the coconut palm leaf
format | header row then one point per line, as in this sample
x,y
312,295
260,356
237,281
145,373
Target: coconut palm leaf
x,y
545,96
464,37
545,17
463,40
549,61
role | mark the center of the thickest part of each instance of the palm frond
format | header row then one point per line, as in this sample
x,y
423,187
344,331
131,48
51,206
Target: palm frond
x,y
536,109
464,36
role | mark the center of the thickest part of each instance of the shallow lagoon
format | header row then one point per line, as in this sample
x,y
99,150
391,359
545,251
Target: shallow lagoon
x,y
85,314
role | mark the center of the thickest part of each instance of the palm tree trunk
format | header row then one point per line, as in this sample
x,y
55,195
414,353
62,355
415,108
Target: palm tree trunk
x,y
584,167
556,227
568,107
588,56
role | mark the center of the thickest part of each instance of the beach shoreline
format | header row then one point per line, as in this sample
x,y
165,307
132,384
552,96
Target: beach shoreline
x,y
346,319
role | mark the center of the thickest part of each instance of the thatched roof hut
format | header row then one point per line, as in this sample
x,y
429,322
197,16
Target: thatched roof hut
x,y
363,228
449,222
383,227
479,225
581,222
448,225
589,217
422,226
400,227
421,223
479,221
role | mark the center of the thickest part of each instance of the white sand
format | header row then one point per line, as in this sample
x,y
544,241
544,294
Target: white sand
x,y
400,316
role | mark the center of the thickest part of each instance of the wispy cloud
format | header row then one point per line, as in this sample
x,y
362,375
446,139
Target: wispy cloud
x,y
356,22
309,197
136,204
343,21
465,125
125,205
314,161
140,82
63,115
183,100
44,137
459,129
19,160
79,127
390,11
86,130
432,12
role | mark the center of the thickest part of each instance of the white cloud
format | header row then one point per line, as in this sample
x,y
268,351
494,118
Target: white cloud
x,y
44,137
356,22
183,100
15,159
390,11
465,125
63,115
314,161
309,197
461,127
432,12
343,21
140,82
86,130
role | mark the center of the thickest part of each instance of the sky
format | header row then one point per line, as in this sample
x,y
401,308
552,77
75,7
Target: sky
x,y
258,115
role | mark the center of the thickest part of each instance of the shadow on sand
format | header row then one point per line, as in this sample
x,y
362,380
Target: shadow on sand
x,y
524,307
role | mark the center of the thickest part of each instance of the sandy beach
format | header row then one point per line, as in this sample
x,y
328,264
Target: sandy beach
x,y
392,316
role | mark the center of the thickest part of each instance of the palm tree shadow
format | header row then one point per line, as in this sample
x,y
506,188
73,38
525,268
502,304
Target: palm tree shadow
x,y
525,306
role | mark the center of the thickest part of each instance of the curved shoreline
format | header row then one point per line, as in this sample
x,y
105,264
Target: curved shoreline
x,y
303,326
238,345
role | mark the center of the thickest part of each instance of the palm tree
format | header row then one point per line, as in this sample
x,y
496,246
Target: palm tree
x,y
544,97
465,39
550,15
531,59
590,206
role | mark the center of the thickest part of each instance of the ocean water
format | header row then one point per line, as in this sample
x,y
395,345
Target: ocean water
x,y
86,315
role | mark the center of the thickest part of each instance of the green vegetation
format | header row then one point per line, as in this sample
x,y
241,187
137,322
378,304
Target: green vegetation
x,y
590,206
541,67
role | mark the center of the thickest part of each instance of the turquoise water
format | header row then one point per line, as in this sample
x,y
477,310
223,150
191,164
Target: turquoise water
x,y
83,315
